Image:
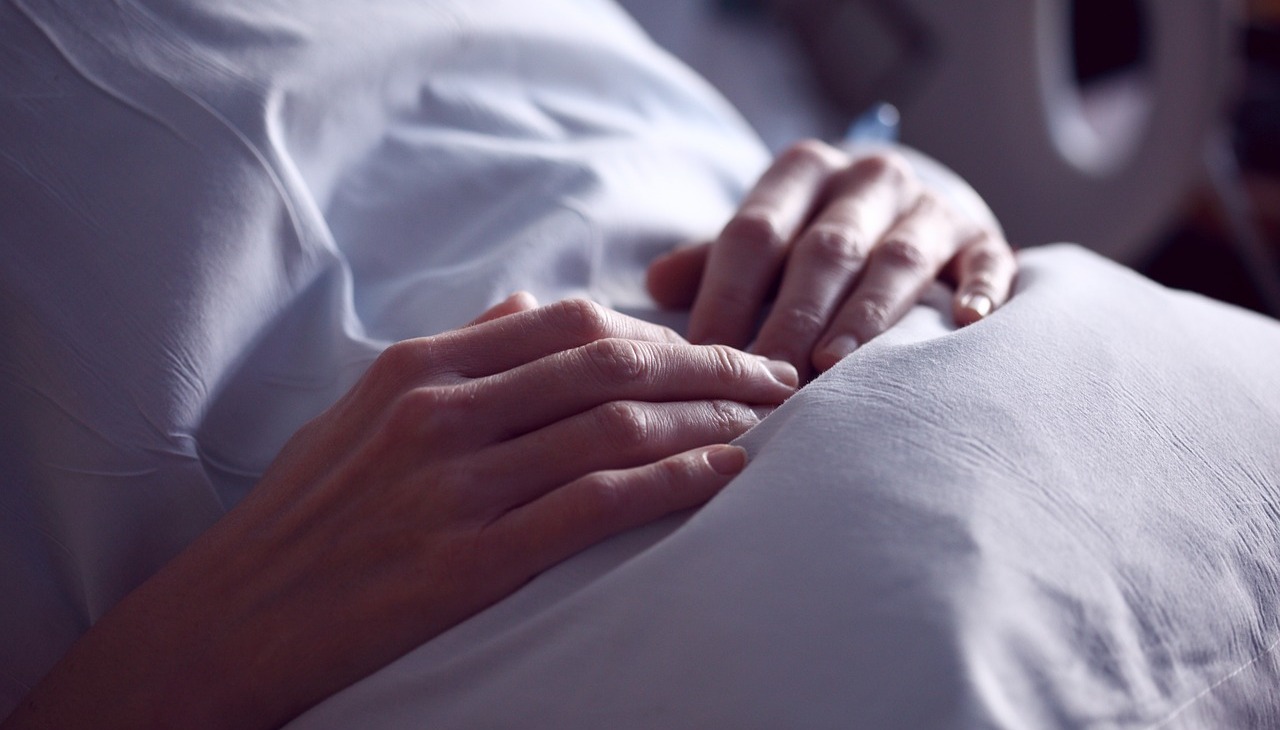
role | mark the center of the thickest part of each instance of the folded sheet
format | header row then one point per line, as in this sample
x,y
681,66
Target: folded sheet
x,y
214,215
1065,516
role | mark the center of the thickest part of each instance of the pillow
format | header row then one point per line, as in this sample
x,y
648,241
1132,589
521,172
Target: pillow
x,y
1066,515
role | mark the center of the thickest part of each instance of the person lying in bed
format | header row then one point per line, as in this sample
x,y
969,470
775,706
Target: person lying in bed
x,y
426,497
464,463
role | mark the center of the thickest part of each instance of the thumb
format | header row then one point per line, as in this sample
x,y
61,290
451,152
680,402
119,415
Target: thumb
x,y
673,279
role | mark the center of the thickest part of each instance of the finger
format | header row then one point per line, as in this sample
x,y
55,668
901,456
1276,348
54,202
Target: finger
x,y
673,278
616,435
898,270
984,272
587,510
488,348
746,258
865,201
571,382
485,349
521,301
524,337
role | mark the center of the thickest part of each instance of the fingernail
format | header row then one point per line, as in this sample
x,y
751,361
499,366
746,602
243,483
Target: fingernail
x,y
841,347
763,412
783,372
979,304
726,460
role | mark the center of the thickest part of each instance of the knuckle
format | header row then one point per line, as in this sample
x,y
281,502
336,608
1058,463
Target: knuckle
x,y
730,417
402,361
798,322
808,152
835,246
417,403
929,205
418,411
617,360
987,259
980,283
985,264
903,253
871,315
729,365
886,166
755,234
585,319
432,417
626,425
675,473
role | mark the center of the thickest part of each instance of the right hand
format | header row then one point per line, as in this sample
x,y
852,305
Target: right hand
x,y
850,242
459,467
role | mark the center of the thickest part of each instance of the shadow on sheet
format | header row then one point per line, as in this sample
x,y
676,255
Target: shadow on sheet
x,y
1064,516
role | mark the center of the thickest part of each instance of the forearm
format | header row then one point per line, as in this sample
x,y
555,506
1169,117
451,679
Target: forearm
x,y
176,652
414,502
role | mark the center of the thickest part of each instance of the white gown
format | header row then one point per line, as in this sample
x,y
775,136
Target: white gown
x,y
214,215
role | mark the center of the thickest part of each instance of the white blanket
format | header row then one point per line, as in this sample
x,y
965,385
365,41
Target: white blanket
x,y
214,215
1065,516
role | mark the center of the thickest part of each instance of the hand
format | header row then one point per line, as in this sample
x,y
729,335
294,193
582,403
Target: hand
x,y
459,467
850,244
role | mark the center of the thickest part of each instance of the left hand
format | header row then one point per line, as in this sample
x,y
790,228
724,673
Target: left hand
x,y
851,245
460,466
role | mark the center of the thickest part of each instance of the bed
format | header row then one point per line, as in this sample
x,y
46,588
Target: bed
x,y
214,217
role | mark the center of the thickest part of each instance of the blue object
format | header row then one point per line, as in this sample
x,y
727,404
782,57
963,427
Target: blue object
x,y
877,124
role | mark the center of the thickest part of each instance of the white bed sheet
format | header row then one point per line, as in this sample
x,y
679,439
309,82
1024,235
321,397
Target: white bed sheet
x,y
1064,516
213,216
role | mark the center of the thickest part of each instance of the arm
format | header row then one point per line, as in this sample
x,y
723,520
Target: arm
x,y
459,467
849,243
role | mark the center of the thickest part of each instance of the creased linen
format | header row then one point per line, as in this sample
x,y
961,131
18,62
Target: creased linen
x,y
213,216
1064,516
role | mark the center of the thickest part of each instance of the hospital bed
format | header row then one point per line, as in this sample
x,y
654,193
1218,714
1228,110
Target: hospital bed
x,y
213,217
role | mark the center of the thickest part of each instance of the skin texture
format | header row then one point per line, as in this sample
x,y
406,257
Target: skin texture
x,y
459,467
844,247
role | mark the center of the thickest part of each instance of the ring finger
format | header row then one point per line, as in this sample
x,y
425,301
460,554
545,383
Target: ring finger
x,y
900,267
615,435
866,199
744,261
568,383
